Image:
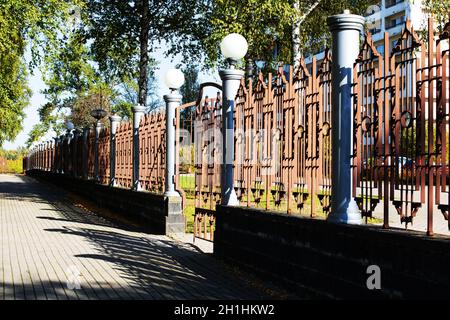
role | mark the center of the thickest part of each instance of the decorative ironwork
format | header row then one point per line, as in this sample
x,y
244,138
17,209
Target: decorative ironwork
x,y
207,131
152,151
204,224
124,161
401,126
103,154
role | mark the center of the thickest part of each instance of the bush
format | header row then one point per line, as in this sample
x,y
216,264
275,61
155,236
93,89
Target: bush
x,y
11,160
11,166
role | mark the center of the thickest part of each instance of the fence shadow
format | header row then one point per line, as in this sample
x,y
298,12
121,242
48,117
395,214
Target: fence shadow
x,y
165,269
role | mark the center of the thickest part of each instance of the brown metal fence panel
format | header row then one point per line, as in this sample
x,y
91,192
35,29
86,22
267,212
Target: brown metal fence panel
x,y
401,126
91,153
103,154
208,153
124,161
152,151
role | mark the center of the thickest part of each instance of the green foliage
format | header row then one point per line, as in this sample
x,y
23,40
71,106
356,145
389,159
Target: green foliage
x,y
124,33
266,24
37,24
14,95
191,86
440,9
12,166
314,33
126,92
12,162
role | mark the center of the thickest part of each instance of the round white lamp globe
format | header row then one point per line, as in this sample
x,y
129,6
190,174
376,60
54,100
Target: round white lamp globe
x,y
234,46
174,79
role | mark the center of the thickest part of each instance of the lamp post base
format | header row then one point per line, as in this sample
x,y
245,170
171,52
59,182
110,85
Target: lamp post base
x,y
137,187
114,183
350,215
232,201
171,194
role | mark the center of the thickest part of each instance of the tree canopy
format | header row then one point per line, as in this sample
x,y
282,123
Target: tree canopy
x,y
30,24
266,24
440,9
103,48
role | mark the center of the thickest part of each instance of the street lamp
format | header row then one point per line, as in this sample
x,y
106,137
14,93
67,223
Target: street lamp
x,y
173,79
98,114
234,47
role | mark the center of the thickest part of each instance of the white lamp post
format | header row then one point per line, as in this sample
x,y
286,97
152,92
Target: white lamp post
x,y
114,121
234,47
174,79
98,114
345,29
138,113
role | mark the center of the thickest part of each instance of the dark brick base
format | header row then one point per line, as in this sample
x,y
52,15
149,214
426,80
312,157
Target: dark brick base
x,y
331,260
156,213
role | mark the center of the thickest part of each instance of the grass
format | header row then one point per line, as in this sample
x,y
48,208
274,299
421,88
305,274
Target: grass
x,y
189,211
187,182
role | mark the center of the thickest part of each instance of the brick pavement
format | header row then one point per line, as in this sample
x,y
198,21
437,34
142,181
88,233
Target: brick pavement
x,y
48,246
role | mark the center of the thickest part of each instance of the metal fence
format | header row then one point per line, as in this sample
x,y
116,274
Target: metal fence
x,y
401,126
283,138
282,142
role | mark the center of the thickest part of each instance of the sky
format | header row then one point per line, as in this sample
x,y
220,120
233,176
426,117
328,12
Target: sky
x,y
37,85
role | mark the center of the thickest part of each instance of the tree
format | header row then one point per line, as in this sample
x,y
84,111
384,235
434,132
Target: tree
x,y
124,33
189,91
268,27
75,85
440,10
128,92
14,95
191,86
315,35
34,24
264,23
302,13
48,120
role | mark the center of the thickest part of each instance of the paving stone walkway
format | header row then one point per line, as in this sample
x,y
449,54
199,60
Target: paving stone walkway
x,y
51,249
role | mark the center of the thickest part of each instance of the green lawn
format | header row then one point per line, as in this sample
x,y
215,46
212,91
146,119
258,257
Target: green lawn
x,y
187,182
189,211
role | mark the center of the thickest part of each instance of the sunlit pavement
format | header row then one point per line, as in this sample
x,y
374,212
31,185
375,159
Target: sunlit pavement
x,y
51,249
